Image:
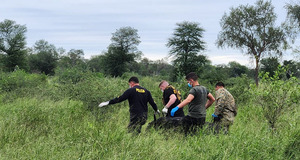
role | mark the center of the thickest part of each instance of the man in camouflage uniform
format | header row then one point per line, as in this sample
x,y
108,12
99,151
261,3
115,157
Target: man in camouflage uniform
x,y
225,108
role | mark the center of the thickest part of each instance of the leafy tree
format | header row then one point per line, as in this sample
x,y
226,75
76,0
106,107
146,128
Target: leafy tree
x,y
269,65
293,23
276,96
236,69
121,51
293,68
73,59
148,67
44,57
294,13
12,44
186,43
252,29
96,63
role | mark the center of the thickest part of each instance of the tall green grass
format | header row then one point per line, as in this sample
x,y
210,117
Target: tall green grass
x,y
62,121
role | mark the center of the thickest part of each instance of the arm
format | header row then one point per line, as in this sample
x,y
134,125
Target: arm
x,y
210,101
171,101
121,98
152,103
186,101
219,106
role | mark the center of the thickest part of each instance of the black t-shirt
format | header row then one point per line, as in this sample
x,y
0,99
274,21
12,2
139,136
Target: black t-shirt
x,y
138,97
166,97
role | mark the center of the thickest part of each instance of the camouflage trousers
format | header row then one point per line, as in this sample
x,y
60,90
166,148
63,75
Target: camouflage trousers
x,y
224,122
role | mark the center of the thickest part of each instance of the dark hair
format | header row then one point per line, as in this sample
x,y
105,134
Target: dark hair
x,y
220,84
133,79
192,76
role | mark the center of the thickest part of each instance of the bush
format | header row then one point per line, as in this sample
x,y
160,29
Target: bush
x,y
239,88
275,95
20,79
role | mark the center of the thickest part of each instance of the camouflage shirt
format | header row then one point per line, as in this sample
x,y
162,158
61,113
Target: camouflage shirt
x,y
225,105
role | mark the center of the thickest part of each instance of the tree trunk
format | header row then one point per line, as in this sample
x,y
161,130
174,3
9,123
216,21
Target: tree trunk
x,y
256,71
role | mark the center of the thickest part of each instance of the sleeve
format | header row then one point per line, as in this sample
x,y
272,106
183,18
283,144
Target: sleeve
x,y
219,104
151,101
121,98
207,90
192,91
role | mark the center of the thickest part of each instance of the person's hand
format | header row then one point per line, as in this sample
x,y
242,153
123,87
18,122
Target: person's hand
x,y
158,112
174,110
165,110
216,118
214,115
103,104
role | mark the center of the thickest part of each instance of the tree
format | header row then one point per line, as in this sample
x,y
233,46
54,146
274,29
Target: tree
x,y
73,59
96,63
269,65
12,44
185,45
236,69
44,57
293,12
121,51
252,29
293,68
293,23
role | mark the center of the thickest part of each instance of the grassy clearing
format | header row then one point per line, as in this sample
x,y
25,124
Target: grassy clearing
x,y
66,130
56,121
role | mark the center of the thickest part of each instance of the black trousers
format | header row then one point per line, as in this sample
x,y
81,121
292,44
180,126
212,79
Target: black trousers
x,y
192,125
136,123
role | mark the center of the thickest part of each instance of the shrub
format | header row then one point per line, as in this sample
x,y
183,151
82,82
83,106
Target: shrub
x,y
239,88
275,95
20,79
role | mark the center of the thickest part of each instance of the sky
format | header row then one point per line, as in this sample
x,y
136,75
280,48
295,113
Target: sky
x,y
89,24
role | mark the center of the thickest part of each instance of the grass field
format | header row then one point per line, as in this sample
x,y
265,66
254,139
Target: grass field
x,y
55,121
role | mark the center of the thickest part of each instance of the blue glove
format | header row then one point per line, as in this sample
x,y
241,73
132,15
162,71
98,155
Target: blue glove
x,y
214,115
174,110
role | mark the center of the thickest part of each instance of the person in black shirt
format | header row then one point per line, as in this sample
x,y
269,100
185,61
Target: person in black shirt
x,y
171,98
138,97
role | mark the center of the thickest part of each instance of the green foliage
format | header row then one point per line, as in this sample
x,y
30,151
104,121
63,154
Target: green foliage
x,y
276,96
19,79
239,88
121,51
185,44
71,75
53,121
294,13
292,149
43,58
269,65
252,29
12,44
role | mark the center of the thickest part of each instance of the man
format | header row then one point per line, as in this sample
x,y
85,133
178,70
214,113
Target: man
x,y
138,98
171,98
198,103
225,108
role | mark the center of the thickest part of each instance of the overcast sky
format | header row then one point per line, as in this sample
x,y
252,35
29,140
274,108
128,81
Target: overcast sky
x,y
89,24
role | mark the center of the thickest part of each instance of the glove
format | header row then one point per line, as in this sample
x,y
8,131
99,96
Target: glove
x,y
165,110
103,104
174,110
157,112
214,115
216,118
